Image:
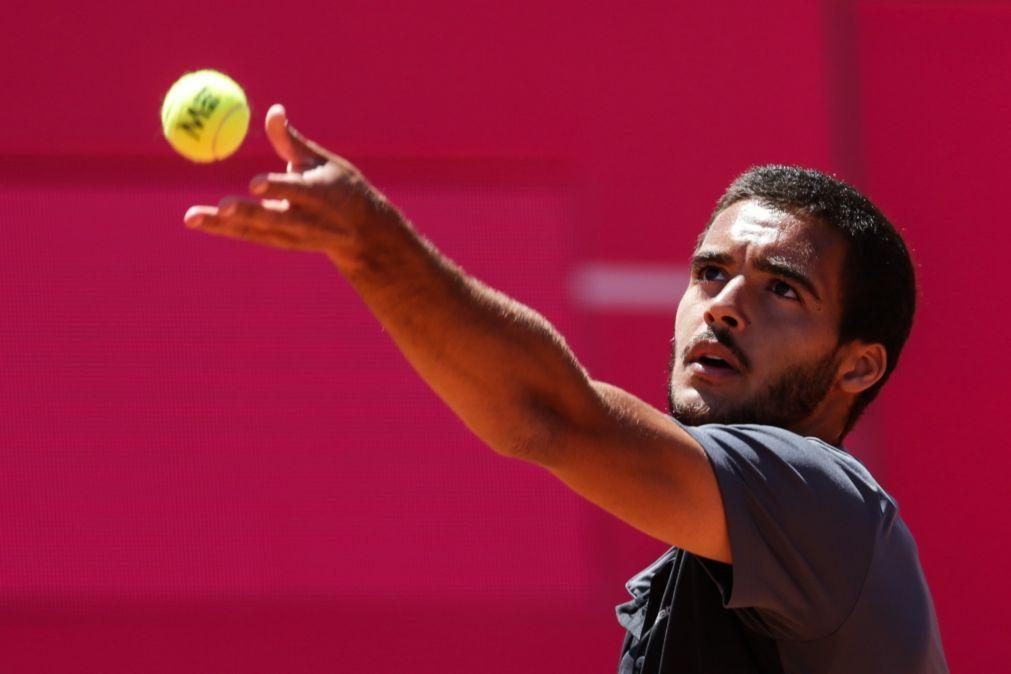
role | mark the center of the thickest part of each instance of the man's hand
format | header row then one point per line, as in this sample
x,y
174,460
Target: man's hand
x,y
321,204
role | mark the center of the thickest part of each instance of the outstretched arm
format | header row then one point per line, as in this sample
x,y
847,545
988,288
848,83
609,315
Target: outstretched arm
x,y
498,364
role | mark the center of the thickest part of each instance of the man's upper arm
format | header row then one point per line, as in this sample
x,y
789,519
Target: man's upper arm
x,y
634,462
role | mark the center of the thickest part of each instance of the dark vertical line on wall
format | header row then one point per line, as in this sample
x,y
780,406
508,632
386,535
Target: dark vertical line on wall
x,y
842,59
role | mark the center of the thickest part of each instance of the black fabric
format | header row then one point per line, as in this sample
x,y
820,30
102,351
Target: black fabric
x,y
825,579
684,627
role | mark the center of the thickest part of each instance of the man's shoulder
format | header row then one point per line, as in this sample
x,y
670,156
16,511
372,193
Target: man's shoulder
x,y
768,445
795,476
775,437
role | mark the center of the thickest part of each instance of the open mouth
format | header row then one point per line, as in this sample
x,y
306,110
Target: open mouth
x,y
716,362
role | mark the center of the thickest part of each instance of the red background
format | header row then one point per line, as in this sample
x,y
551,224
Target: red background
x,y
213,460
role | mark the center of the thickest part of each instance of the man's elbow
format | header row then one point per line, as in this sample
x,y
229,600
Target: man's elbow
x,y
549,428
528,438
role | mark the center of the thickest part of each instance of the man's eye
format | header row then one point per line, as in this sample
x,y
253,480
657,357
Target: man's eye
x,y
784,290
709,273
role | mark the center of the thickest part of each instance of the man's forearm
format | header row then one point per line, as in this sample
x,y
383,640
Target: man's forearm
x,y
498,364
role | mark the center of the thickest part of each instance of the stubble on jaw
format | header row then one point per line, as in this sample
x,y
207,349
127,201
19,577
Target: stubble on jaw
x,y
790,398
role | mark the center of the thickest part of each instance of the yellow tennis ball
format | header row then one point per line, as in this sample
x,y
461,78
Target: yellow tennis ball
x,y
205,116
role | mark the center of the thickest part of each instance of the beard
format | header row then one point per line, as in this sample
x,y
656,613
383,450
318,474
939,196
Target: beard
x,y
789,398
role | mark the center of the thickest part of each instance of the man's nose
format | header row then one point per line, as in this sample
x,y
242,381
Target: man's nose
x,y
725,310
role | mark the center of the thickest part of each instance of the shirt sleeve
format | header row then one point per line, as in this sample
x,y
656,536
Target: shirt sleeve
x,y
802,518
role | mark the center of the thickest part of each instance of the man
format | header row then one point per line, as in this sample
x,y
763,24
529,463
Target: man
x,y
787,556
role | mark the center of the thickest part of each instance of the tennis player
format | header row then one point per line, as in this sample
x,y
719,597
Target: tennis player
x,y
786,555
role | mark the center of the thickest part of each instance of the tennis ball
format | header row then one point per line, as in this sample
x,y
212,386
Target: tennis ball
x,y
205,116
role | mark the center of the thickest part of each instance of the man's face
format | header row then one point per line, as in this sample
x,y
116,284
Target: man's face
x,y
755,338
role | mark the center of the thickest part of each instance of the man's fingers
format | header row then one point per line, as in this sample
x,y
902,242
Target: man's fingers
x,y
230,206
274,222
300,153
196,214
271,222
236,229
291,187
267,213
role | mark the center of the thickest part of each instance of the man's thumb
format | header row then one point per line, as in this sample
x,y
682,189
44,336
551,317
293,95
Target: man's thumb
x,y
300,153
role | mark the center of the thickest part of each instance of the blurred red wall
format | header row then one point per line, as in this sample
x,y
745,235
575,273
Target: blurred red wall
x,y
214,460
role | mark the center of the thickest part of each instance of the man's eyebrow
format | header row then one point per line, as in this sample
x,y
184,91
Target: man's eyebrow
x,y
781,266
710,257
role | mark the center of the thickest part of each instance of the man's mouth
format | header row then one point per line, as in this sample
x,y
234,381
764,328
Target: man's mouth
x,y
713,361
713,370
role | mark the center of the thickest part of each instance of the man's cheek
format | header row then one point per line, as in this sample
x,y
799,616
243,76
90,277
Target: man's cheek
x,y
683,329
683,310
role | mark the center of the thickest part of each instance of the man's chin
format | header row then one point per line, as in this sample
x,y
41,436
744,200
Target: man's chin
x,y
688,407
784,401
692,408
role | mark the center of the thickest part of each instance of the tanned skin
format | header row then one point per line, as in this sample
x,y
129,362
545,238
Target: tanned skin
x,y
768,279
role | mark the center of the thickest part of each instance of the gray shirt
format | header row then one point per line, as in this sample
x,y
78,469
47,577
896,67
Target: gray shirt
x,y
825,578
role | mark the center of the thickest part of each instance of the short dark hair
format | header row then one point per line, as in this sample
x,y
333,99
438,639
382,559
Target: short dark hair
x,y
878,285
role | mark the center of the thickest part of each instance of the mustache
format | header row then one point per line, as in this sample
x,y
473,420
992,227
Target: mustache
x,y
722,337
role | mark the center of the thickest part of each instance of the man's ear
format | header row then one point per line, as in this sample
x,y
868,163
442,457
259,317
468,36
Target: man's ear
x,y
862,366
